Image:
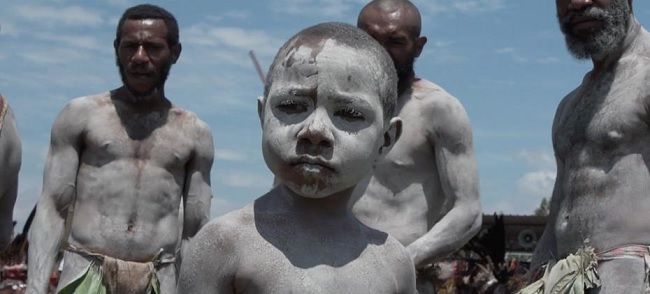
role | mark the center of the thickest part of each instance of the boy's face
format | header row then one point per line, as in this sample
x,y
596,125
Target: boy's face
x,y
322,120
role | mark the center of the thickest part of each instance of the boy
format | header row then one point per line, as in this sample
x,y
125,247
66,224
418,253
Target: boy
x,y
326,117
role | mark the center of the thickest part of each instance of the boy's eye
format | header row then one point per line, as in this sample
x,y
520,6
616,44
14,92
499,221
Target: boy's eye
x,y
291,106
350,114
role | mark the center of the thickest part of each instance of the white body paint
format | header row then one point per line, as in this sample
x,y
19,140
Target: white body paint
x,y
424,192
601,138
126,172
10,160
301,237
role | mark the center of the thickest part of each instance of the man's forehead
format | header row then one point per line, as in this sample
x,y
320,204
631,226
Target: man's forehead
x,y
150,24
389,19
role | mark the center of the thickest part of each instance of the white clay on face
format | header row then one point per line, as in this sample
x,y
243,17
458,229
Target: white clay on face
x,y
342,82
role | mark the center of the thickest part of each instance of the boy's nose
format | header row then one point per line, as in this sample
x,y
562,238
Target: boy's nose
x,y
317,132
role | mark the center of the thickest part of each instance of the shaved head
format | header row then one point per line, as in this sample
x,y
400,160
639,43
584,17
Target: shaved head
x,y
410,15
396,25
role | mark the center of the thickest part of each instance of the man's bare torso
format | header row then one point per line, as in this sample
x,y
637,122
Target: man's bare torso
x,y
132,170
602,140
404,197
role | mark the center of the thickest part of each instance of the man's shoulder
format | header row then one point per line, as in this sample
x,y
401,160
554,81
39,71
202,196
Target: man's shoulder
x,y
88,103
444,111
189,119
433,97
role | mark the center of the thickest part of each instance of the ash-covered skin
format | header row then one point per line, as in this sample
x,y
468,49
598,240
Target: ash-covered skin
x,y
424,191
125,161
314,144
595,31
10,160
601,140
323,127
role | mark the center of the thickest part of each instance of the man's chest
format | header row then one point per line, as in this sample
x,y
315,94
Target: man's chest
x,y
602,121
167,144
413,148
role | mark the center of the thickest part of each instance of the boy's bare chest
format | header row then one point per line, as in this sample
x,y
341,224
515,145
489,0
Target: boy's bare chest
x,y
294,261
290,276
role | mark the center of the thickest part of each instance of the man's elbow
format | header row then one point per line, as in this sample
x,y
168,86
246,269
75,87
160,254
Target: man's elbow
x,y
474,219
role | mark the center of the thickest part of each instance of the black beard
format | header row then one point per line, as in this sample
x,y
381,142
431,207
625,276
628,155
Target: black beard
x,y
405,70
604,41
161,80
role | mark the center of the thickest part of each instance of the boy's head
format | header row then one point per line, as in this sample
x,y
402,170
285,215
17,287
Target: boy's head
x,y
328,109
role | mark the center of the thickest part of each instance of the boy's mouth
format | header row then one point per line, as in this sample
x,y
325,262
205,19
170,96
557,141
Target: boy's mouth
x,y
312,163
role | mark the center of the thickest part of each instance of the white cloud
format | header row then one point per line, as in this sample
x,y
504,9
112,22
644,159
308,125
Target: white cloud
x,y
229,155
505,50
478,5
233,38
118,3
232,14
69,16
435,7
328,8
53,56
547,60
537,184
532,185
82,42
536,158
8,28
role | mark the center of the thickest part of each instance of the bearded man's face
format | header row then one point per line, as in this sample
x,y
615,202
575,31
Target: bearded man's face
x,y
594,30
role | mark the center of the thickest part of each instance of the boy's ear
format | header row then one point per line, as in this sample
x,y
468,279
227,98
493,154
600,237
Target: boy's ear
x,y
260,109
391,135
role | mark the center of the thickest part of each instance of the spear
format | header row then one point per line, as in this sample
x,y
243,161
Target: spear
x,y
258,68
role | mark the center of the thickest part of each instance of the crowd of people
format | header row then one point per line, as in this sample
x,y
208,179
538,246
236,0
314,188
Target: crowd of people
x,y
376,180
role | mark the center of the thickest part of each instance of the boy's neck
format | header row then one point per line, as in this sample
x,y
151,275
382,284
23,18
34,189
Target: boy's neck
x,y
332,207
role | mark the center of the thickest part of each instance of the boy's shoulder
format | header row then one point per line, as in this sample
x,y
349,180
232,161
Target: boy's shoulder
x,y
232,222
227,230
395,256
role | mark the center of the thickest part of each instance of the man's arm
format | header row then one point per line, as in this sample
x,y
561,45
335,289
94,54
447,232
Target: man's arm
x,y
198,193
11,152
59,181
451,138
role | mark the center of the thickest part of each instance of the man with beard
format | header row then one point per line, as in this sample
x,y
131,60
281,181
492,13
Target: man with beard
x,y
597,236
120,166
424,192
10,160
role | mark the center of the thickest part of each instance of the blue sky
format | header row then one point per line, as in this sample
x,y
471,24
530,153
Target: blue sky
x,y
504,59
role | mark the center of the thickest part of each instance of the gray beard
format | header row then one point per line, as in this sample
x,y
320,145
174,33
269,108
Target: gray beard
x,y
604,41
